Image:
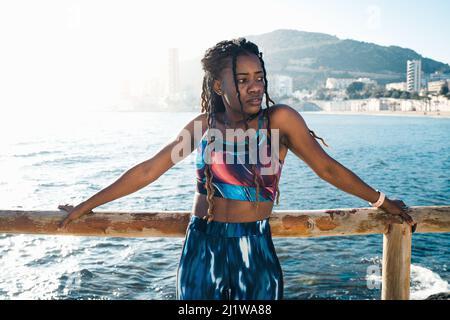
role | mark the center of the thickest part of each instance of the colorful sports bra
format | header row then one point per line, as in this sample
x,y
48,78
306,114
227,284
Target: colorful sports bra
x,y
235,179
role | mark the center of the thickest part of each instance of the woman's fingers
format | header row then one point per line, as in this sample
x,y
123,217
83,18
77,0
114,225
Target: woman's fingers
x,y
65,221
73,214
68,208
65,207
62,224
404,210
406,217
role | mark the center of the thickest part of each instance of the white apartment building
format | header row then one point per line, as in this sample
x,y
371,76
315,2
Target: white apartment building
x,y
413,75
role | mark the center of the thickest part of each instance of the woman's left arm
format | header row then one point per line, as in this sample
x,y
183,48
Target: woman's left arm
x,y
302,144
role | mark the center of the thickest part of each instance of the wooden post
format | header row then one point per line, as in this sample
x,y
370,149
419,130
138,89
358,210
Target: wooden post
x,y
396,262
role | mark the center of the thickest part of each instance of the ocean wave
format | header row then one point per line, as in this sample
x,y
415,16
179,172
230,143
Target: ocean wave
x,y
425,282
35,154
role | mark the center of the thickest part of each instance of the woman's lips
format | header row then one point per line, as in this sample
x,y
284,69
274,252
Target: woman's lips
x,y
255,101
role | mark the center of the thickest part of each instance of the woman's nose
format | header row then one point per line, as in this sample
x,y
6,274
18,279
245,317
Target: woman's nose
x,y
256,87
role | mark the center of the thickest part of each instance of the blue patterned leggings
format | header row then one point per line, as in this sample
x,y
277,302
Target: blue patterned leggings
x,y
230,261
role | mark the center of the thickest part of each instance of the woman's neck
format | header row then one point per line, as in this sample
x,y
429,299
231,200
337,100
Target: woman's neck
x,y
236,119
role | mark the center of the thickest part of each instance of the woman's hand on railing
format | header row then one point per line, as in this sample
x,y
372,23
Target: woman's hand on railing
x,y
398,207
74,213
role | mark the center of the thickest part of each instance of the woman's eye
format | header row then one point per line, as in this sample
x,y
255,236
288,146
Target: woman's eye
x,y
260,79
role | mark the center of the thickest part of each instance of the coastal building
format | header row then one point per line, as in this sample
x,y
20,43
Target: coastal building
x,y
280,85
360,105
396,86
302,94
436,86
436,104
413,75
437,76
343,83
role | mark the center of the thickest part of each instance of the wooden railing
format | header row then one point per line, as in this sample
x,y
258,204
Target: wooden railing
x,y
284,223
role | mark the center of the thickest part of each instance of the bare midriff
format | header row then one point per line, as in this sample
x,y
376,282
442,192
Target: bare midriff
x,y
227,210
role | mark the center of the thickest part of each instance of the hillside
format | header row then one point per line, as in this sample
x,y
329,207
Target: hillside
x,y
312,57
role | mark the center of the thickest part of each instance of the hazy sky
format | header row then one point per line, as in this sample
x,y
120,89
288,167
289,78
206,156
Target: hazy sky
x,y
78,53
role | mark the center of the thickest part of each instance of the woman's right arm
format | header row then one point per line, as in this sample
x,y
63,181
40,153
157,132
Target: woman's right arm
x,y
143,173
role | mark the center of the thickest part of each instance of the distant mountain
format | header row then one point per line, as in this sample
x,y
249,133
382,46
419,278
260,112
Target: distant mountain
x,y
312,57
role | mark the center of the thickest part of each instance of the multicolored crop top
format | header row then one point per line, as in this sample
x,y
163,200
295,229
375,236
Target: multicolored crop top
x,y
235,179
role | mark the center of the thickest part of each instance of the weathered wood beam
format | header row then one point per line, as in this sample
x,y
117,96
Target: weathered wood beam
x,y
284,223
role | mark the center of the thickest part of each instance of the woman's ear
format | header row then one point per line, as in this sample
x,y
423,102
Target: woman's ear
x,y
217,87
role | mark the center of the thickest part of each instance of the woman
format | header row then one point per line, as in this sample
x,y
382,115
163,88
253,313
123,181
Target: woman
x,y
228,251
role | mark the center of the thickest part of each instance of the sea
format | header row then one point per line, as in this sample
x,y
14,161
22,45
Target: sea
x,y
53,158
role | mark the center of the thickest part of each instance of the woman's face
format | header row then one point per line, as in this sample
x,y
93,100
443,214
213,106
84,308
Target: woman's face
x,y
250,80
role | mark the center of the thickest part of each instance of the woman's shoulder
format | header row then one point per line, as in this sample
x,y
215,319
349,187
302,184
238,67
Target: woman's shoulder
x,y
200,122
279,114
200,119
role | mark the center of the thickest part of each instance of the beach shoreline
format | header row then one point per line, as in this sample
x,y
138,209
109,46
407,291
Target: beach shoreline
x,y
431,114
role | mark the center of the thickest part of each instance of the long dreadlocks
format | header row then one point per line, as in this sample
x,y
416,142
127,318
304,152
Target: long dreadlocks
x,y
214,61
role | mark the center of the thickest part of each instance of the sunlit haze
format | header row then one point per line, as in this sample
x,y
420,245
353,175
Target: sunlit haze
x,y
82,55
